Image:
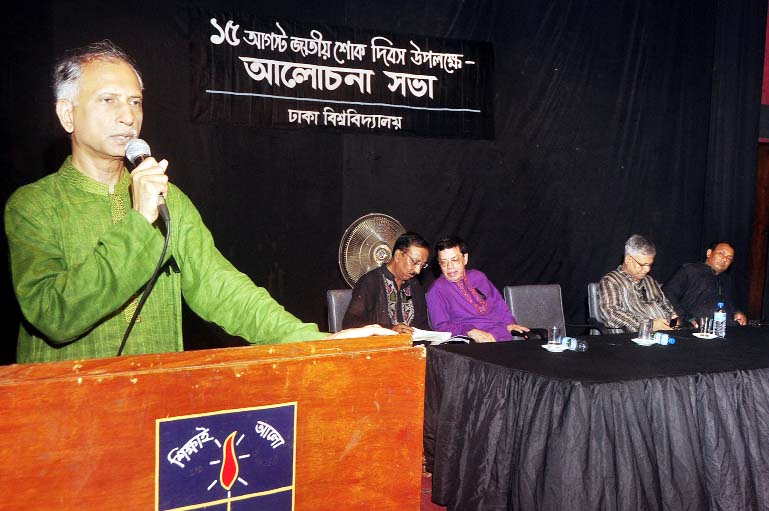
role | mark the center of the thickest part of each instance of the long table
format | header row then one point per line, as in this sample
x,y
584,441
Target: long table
x,y
511,426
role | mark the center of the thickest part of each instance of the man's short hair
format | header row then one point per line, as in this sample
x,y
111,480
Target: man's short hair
x,y
638,245
713,245
451,242
69,69
407,239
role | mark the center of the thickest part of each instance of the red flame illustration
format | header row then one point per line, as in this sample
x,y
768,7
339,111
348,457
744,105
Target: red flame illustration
x,y
229,472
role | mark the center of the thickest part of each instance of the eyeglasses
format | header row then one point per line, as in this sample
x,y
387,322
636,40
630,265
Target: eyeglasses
x,y
646,265
415,262
443,263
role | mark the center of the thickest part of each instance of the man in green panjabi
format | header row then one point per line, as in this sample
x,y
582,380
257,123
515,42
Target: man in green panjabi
x,y
84,240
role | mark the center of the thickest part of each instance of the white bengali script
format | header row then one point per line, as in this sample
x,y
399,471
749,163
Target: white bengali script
x,y
446,61
267,40
417,85
315,45
349,51
269,433
387,54
382,49
345,118
228,34
290,74
193,445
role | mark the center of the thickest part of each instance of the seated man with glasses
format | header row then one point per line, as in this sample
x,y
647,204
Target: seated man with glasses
x,y
390,296
629,294
465,302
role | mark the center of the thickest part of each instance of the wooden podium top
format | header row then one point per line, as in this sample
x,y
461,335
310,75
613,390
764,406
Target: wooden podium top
x,y
16,373
84,434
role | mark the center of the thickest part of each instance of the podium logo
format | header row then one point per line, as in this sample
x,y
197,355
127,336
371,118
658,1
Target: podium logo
x,y
229,472
233,460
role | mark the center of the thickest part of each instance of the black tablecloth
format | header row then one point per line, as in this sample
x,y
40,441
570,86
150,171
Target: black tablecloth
x,y
618,427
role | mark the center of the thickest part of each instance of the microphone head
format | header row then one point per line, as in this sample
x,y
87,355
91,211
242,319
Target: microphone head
x,y
136,150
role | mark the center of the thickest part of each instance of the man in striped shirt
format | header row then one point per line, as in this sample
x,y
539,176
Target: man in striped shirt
x,y
629,294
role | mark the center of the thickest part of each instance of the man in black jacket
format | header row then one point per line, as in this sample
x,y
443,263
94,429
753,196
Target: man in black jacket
x,y
390,295
696,288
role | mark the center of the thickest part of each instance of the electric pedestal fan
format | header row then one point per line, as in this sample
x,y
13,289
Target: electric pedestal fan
x,y
367,244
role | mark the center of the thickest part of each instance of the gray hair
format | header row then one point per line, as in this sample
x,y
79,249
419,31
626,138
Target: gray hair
x,y
69,69
638,245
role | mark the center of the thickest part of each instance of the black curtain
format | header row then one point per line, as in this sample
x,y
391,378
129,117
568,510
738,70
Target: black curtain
x,y
612,117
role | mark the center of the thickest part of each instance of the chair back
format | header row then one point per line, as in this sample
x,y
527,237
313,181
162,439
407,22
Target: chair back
x,y
594,312
536,305
337,300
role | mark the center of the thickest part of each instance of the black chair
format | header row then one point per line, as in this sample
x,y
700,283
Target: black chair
x,y
537,306
597,326
338,300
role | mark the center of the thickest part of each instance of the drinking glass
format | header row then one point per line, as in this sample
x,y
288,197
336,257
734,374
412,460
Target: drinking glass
x,y
554,336
645,329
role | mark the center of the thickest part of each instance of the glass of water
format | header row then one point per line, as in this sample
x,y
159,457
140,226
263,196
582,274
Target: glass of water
x,y
645,329
554,336
706,325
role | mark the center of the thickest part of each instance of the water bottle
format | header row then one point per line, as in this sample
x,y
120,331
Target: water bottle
x,y
663,338
574,344
719,321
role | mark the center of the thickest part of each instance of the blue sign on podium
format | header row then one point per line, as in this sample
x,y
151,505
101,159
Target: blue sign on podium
x,y
231,460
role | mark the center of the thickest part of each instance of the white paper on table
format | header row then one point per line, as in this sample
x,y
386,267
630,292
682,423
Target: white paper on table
x,y
430,336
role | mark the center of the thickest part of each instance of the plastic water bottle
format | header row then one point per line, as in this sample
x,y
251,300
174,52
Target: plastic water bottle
x,y
574,344
719,321
663,338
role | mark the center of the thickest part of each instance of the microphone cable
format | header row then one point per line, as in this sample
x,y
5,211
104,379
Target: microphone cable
x,y
163,212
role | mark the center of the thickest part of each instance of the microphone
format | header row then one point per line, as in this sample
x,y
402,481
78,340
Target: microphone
x,y
136,151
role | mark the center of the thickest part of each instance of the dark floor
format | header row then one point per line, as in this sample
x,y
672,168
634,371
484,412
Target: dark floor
x,y
427,504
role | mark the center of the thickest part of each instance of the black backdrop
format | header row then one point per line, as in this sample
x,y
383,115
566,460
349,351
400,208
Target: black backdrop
x,y
612,117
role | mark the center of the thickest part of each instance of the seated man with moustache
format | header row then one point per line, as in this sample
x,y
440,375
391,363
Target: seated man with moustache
x,y
464,302
390,296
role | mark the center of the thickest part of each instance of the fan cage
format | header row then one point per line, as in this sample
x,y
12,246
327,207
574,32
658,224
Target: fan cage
x,y
367,244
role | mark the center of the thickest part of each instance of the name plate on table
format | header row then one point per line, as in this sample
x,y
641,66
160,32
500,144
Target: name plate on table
x,y
227,460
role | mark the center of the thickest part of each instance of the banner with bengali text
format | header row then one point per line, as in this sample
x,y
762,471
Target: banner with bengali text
x,y
280,73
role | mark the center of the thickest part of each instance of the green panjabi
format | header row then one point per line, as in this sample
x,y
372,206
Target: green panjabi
x,y
77,265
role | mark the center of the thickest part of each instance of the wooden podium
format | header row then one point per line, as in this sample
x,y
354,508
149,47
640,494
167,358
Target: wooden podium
x,y
82,435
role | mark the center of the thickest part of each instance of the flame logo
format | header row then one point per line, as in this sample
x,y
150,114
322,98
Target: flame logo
x,y
229,472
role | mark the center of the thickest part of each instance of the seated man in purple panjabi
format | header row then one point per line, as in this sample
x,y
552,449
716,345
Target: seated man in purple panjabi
x,y
464,302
